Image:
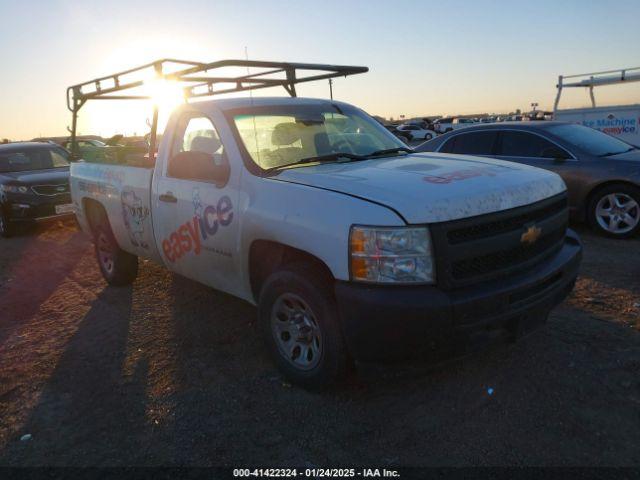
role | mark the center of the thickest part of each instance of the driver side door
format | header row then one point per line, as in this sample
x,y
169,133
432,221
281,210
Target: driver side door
x,y
197,194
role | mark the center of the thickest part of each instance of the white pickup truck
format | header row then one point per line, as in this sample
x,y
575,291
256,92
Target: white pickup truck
x,y
350,245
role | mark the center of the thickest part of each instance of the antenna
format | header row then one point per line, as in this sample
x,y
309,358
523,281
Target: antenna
x,y
255,129
246,57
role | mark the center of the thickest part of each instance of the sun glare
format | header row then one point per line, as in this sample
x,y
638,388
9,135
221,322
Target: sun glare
x,y
164,94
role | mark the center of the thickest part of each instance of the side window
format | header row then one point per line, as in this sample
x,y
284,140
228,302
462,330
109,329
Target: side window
x,y
197,152
448,145
476,143
59,158
522,144
199,135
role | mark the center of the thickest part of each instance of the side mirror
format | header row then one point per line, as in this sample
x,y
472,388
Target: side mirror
x,y
199,166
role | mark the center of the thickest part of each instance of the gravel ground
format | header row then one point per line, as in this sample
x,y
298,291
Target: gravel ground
x,y
168,372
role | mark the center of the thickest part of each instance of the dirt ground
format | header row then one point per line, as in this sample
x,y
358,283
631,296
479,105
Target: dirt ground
x,y
168,372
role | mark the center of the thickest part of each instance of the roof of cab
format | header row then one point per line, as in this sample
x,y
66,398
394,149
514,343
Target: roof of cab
x,y
245,102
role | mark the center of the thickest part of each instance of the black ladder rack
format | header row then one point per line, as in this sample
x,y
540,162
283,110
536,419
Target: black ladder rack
x,y
196,81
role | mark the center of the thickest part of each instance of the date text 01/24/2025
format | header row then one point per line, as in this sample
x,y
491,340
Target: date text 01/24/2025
x,y
317,472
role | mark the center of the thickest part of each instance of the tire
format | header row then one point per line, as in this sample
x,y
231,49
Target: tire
x,y
118,267
615,211
299,321
428,137
6,229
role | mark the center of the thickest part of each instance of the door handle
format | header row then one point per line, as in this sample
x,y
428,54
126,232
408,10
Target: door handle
x,y
168,197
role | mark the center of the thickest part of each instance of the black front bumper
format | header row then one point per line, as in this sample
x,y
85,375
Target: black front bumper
x,y
35,208
382,322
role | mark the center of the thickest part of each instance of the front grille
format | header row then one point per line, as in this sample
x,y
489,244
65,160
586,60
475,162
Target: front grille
x,y
490,246
502,259
491,228
50,190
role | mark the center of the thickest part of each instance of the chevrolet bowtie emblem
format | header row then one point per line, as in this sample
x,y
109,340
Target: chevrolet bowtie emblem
x,y
530,235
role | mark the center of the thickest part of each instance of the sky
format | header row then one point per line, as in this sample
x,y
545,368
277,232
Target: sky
x,y
425,57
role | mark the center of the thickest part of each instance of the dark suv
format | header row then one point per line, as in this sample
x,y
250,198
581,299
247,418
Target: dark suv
x,y
34,184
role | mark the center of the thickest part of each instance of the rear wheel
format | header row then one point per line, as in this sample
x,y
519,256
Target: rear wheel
x,y
117,266
299,322
615,211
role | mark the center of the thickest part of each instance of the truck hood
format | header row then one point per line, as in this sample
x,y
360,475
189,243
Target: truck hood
x,y
429,188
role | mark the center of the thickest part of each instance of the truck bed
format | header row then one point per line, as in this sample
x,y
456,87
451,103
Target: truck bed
x,y
124,191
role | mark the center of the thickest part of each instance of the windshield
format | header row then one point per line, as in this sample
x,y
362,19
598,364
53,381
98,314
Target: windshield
x,y
32,159
283,135
590,140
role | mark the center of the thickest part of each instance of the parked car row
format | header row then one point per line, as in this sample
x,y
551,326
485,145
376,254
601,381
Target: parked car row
x,y
425,130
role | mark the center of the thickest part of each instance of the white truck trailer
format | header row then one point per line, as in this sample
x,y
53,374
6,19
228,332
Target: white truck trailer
x,y
622,121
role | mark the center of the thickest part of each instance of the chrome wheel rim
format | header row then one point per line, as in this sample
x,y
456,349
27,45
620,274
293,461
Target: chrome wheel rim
x,y
296,332
105,253
618,213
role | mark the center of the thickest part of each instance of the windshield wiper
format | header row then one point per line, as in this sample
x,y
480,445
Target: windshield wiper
x,y
329,157
337,156
387,151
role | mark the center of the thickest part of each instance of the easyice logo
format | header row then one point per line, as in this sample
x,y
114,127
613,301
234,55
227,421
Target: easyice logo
x,y
205,223
614,126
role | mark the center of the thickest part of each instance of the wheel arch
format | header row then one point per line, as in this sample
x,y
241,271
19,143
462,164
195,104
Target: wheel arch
x,y
94,212
593,191
266,256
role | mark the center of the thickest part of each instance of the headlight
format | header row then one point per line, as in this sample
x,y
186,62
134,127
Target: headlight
x,y
391,255
15,189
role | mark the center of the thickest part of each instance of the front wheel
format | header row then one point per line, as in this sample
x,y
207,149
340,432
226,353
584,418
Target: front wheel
x,y
300,325
615,211
428,136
